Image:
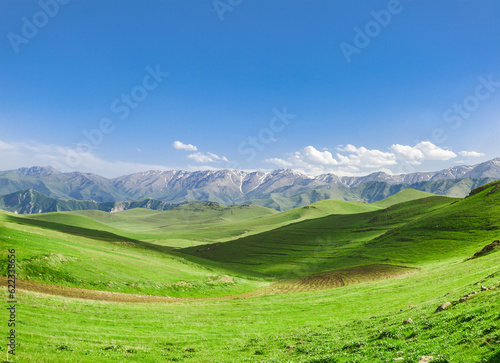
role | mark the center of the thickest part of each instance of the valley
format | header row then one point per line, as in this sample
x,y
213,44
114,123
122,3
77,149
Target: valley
x,y
234,181
332,281
45,189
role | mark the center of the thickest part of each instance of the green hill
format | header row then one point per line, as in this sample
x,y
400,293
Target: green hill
x,y
70,220
196,215
460,228
402,196
205,222
407,233
80,256
328,286
319,244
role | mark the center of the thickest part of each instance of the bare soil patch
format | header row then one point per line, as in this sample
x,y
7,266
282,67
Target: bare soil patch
x,y
320,281
340,278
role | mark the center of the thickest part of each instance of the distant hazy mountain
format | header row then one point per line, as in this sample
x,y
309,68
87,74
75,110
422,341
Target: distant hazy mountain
x,y
76,185
235,187
371,192
31,202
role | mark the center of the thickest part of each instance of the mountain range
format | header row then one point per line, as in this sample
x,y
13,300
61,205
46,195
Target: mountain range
x,y
279,189
31,202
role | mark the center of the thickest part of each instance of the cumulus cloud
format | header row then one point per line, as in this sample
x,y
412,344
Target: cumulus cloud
x,y
423,151
65,159
181,146
309,155
471,154
208,157
353,160
364,157
349,160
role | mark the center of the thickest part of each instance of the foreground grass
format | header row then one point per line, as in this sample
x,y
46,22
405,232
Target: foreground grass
x,y
361,323
54,253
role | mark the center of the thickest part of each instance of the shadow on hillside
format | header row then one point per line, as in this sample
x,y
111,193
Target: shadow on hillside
x,y
83,232
495,358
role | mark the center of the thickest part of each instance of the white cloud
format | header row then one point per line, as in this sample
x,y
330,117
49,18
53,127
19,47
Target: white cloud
x,y
423,151
279,162
352,160
65,159
217,158
309,155
181,146
364,157
208,157
408,153
471,154
200,158
348,156
433,152
6,146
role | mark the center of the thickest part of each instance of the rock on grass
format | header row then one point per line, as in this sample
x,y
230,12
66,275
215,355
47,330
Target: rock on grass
x,y
443,306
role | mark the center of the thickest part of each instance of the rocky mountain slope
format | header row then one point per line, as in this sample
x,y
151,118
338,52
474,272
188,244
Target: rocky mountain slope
x,y
235,187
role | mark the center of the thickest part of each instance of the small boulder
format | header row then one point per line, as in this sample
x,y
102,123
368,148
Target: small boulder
x,y
484,288
408,321
488,248
425,359
398,359
443,306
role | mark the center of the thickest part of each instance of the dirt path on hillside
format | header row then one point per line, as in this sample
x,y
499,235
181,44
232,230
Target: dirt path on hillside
x,y
320,281
76,292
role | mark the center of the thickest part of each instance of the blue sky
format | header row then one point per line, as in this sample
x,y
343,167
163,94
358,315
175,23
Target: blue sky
x,y
349,87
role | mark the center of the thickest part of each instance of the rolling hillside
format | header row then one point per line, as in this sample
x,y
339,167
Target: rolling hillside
x,y
86,254
321,244
332,285
406,233
202,223
324,236
405,195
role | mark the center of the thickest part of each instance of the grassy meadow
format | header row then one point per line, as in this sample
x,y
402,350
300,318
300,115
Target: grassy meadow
x,y
330,282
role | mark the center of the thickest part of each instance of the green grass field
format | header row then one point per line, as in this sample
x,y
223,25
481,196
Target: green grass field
x,y
330,282
200,223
